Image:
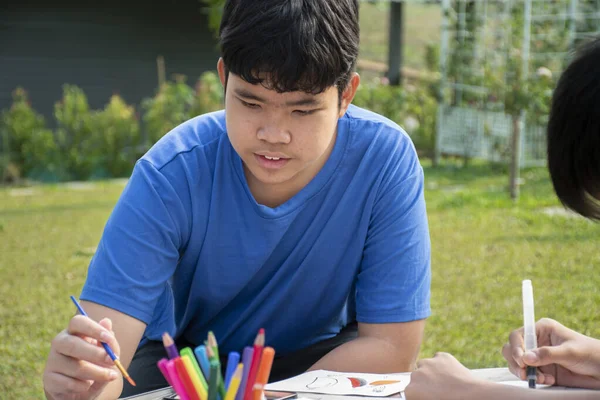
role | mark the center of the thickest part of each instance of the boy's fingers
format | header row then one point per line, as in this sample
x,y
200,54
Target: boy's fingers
x,y
106,323
84,326
86,371
79,349
66,383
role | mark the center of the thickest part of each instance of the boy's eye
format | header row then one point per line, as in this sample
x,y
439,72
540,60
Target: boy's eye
x,y
304,112
249,105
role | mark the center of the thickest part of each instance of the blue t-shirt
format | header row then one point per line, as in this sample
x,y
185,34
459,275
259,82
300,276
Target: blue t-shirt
x,y
187,249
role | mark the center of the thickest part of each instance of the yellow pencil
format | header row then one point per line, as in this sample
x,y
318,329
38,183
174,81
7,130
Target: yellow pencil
x,y
234,384
189,366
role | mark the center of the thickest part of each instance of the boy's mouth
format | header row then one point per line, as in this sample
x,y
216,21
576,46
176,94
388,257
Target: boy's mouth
x,y
271,161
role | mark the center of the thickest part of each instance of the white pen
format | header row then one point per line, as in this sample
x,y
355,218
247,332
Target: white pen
x,y
529,327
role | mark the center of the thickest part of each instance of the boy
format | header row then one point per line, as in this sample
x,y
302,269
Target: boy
x,y
564,357
291,210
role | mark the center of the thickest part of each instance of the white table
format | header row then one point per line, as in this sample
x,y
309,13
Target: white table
x,y
490,374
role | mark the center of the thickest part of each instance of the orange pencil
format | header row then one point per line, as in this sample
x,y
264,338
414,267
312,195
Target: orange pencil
x,y
264,370
259,343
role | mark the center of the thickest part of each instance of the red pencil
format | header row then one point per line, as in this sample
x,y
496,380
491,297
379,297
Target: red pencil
x,y
185,379
259,344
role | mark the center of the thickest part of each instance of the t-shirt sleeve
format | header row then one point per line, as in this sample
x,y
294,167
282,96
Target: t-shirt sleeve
x,y
139,248
393,284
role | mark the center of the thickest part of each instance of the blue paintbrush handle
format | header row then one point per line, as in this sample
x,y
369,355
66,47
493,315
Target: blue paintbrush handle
x,y
105,345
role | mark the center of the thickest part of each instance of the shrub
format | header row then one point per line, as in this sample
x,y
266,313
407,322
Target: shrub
x,y
209,94
74,132
27,145
171,106
116,137
413,108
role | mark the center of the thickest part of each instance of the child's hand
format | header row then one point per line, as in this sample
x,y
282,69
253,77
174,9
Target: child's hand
x,y
78,367
441,377
564,357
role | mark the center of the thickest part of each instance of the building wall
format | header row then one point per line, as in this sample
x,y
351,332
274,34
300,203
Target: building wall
x,y
109,48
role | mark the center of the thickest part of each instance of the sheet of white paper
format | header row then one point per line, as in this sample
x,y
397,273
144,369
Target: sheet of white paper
x,y
329,382
523,384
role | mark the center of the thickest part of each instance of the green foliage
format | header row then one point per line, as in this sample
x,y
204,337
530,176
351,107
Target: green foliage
x,y
432,57
95,143
214,11
421,104
506,88
74,133
26,141
116,138
176,102
171,106
413,108
209,94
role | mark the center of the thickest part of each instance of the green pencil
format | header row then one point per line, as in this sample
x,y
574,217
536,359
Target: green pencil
x,y
213,380
220,383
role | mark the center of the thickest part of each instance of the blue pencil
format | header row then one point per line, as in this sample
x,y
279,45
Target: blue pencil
x,y
202,357
110,352
232,362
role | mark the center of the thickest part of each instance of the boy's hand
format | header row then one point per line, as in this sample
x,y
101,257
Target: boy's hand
x,y
564,357
78,367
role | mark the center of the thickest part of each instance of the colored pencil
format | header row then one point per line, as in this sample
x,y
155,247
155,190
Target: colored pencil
x,y
186,379
170,346
212,342
259,343
107,348
234,384
177,384
187,352
198,386
162,365
212,381
264,370
214,359
232,361
203,360
247,361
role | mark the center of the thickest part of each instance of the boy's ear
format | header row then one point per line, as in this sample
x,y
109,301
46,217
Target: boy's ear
x,y
222,72
349,92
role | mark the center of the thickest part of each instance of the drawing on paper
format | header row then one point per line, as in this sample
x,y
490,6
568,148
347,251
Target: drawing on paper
x,y
340,383
323,382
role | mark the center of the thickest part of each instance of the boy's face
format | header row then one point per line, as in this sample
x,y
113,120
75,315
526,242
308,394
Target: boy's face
x,y
284,139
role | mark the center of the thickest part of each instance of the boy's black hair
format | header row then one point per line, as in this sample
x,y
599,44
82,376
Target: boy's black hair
x,y
305,45
574,133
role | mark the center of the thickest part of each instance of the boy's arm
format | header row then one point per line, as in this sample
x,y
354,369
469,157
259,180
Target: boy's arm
x,y
379,348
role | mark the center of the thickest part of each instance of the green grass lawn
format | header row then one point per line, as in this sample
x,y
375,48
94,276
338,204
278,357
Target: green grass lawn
x,y
483,246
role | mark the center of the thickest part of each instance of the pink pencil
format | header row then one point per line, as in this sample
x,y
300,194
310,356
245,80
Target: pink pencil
x,y
177,384
162,365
